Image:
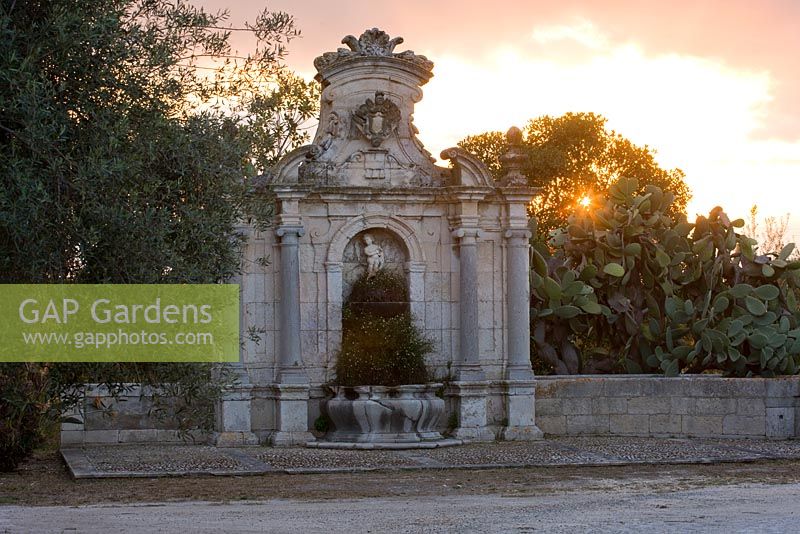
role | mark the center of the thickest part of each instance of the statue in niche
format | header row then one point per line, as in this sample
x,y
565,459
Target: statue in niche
x,y
375,258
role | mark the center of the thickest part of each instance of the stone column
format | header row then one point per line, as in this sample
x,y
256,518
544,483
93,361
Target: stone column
x,y
469,390
469,368
416,291
519,385
518,304
290,365
291,390
233,423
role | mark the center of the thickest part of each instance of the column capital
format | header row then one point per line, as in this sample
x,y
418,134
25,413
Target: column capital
x,y
288,193
519,195
466,233
290,229
517,233
465,195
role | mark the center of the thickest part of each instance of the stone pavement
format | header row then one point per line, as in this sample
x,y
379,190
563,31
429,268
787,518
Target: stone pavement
x,y
120,461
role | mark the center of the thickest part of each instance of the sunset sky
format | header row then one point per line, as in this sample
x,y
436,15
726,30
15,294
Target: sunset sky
x,y
713,86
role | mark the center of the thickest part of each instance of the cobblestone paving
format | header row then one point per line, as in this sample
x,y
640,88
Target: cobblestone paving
x,y
297,458
648,450
549,452
772,449
164,460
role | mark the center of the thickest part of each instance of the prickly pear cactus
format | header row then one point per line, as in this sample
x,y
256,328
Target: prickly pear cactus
x,y
661,294
563,303
738,313
633,249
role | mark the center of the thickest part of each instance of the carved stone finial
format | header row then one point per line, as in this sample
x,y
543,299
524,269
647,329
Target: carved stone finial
x,y
514,160
372,42
375,43
514,136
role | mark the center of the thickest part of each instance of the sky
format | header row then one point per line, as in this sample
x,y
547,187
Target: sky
x,y
712,86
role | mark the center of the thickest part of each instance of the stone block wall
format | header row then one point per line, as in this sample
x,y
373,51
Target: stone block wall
x,y
127,419
435,304
655,406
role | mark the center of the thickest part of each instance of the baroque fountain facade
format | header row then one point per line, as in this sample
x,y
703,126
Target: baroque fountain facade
x,y
459,238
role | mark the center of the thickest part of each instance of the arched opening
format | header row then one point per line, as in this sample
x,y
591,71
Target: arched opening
x,y
376,245
346,262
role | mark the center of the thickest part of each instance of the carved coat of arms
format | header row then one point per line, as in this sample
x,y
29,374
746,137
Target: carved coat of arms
x,y
377,119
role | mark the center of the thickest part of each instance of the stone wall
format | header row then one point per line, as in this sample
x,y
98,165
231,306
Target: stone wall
x,y
127,419
621,405
689,406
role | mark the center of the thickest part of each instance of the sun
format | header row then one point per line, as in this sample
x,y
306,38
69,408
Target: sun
x,y
585,201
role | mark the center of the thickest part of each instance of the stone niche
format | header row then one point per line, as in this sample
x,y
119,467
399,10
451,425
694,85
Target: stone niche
x,y
459,237
354,260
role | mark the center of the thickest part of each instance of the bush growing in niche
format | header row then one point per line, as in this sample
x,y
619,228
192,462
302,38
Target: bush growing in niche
x,y
377,350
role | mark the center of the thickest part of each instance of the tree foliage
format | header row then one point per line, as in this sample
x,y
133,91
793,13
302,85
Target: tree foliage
x,y
123,150
128,131
573,157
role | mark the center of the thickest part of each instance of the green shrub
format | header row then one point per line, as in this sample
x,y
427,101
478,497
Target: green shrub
x,y
385,286
33,397
322,423
24,410
382,351
379,349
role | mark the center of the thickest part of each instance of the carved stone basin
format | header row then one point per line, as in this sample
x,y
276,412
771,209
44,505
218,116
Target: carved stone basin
x,y
379,414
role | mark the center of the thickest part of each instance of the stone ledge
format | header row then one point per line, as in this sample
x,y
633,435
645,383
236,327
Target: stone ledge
x,y
384,446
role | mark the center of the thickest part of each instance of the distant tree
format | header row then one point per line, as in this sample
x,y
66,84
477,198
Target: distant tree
x,y
773,238
574,158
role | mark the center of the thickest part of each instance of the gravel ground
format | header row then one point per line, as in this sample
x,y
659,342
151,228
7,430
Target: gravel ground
x,y
548,452
734,508
773,449
44,481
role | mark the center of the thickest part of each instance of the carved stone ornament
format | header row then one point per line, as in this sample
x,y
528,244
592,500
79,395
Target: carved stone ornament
x,y
377,119
313,171
375,43
514,160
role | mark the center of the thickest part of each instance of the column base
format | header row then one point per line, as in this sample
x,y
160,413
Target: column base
x,y
521,411
470,410
291,415
233,425
519,373
468,373
473,434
